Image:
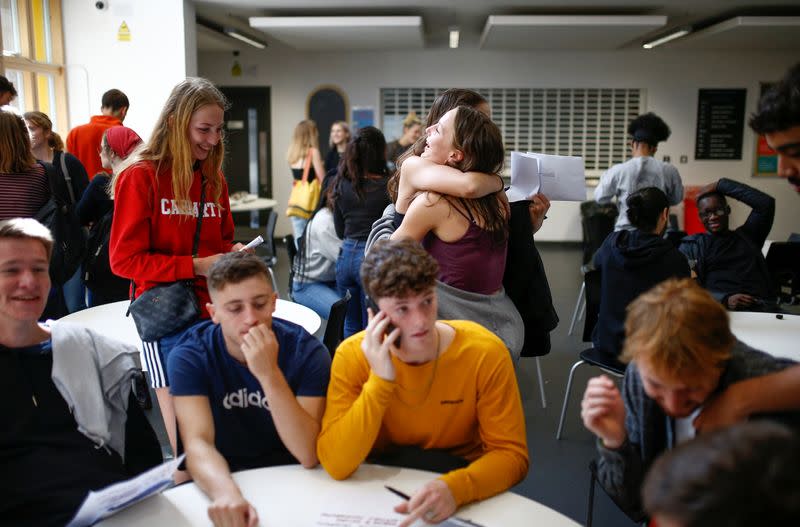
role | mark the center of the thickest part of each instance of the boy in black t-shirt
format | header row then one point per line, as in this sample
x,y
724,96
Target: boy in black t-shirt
x,y
53,448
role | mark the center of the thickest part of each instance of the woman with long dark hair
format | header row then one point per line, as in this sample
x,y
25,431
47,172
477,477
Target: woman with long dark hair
x,y
631,262
359,197
24,188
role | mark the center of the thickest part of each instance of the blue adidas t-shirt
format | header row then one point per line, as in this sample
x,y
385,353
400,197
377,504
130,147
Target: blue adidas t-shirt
x,y
244,432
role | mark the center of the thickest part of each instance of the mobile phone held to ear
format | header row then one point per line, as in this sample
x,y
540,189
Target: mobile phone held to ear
x,y
389,328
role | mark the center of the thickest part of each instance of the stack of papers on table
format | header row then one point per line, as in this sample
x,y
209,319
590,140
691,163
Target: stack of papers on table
x,y
241,197
560,178
112,499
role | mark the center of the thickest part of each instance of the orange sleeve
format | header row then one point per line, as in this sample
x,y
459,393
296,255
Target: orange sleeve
x,y
357,400
501,425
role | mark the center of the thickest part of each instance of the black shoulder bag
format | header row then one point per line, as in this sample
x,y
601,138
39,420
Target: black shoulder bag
x,y
166,308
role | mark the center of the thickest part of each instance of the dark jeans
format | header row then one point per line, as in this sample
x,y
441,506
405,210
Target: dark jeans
x,y
348,278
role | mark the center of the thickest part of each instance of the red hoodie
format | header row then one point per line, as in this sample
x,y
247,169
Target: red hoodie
x,y
151,241
84,142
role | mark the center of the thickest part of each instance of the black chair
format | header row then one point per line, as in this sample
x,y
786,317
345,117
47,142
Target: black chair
x,y
269,239
142,449
597,222
334,331
783,263
675,237
590,356
291,250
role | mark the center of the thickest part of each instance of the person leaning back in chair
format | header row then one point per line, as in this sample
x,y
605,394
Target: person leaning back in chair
x,y
249,389
688,375
729,263
416,392
71,423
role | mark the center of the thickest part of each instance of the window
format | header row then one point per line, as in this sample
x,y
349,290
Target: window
x,y
33,56
586,122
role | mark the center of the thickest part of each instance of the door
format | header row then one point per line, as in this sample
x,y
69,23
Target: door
x,y
247,166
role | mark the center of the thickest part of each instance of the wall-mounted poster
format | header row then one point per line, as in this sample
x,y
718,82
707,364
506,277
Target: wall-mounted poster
x,y
720,124
362,116
765,160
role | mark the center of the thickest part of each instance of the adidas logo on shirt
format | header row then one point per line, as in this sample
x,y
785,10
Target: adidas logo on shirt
x,y
243,399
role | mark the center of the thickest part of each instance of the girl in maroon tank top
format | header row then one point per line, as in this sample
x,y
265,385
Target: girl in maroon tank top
x,y
468,237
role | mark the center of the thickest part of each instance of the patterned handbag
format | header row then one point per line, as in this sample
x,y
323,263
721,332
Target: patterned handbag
x,y
166,308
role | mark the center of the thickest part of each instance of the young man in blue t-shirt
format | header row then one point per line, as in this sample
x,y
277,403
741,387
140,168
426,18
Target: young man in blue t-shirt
x,y
249,389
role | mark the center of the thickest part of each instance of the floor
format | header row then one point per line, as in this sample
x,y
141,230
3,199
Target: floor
x,y
559,475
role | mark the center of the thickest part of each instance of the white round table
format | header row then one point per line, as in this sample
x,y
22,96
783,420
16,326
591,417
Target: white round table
x,y
291,496
110,319
779,337
253,205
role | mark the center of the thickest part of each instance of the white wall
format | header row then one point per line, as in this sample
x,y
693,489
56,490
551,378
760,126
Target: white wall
x,y
146,68
190,37
671,80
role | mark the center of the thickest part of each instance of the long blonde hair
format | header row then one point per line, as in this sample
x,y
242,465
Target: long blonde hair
x,y
305,136
169,147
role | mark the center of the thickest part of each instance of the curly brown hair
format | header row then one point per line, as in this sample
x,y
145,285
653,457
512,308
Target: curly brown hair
x,y
398,268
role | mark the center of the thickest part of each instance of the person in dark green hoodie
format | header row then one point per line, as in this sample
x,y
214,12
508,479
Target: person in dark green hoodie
x,y
631,262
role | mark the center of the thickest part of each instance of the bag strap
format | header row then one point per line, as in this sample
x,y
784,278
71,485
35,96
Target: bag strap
x,y
196,243
307,166
65,172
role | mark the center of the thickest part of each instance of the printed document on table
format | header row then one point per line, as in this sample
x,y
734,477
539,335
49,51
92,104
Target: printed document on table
x,y
562,178
112,499
374,508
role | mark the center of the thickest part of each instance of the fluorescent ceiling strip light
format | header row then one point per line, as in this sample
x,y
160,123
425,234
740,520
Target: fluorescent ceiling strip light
x,y
666,38
454,34
235,34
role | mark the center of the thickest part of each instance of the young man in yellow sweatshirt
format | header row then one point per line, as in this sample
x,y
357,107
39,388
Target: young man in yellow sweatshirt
x,y
437,389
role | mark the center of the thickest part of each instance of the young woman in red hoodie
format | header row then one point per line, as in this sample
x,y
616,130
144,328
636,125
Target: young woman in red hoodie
x,y
156,202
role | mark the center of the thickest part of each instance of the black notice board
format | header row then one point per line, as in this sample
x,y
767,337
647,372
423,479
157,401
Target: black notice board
x,y
720,124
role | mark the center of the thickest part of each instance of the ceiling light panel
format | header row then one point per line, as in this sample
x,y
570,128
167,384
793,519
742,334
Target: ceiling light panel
x,y
344,32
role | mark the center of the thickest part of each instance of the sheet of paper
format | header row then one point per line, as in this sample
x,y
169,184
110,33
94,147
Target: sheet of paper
x,y
374,509
525,179
105,502
563,178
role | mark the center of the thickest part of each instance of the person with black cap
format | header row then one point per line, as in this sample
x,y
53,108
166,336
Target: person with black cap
x,y
642,170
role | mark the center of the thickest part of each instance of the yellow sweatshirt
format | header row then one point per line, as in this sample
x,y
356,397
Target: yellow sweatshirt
x,y
470,406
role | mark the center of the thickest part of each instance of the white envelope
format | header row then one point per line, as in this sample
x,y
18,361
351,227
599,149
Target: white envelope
x,y
525,179
562,178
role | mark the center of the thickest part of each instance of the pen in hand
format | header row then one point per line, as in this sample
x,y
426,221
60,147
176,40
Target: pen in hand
x,y
399,493
453,521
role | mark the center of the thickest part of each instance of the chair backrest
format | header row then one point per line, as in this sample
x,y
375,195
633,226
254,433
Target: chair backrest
x,y
675,237
783,263
597,222
291,250
269,236
334,331
592,281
